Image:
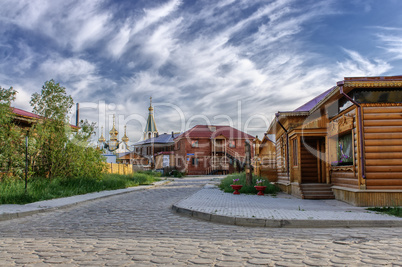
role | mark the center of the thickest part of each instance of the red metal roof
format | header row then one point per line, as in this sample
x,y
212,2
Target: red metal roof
x,y
209,131
24,113
30,115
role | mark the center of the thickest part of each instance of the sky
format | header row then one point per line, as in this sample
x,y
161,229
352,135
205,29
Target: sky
x,y
222,62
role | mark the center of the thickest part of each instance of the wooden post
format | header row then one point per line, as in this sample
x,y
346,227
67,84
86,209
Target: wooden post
x,y
249,176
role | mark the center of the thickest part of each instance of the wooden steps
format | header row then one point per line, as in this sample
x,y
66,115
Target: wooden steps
x,y
316,191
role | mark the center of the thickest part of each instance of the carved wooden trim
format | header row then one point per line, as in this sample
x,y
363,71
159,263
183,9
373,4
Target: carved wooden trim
x,y
362,84
344,124
333,128
382,105
342,168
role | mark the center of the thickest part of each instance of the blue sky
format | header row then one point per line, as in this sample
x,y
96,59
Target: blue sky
x,y
223,62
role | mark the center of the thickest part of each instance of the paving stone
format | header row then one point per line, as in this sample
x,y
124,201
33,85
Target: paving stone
x,y
139,229
260,261
183,256
142,258
202,261
163,260
314,262
162,254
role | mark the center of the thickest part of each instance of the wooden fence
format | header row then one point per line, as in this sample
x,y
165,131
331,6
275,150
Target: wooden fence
x,y
120,168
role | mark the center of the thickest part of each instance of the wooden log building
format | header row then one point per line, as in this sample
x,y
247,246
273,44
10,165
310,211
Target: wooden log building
x,y
264,160
344,144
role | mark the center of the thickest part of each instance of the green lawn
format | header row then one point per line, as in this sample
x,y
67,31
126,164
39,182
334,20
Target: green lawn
x,y
13,192
395,211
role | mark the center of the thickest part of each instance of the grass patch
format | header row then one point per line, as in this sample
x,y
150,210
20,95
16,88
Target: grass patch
x,y
395,211
246,189
13,191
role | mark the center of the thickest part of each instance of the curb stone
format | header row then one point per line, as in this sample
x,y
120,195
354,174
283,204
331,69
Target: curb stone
x,y
71,202
274,223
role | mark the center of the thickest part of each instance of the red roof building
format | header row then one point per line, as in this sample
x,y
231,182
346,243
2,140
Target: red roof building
x,y
206,149
25,119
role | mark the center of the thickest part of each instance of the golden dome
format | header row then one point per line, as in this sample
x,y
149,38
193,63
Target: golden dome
x,y
101,138
125,138
113,132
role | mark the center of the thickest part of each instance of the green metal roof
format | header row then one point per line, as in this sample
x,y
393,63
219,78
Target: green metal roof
x,y
151,125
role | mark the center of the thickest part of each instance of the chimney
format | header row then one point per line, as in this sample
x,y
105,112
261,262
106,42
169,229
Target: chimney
x,y
172,134
77,115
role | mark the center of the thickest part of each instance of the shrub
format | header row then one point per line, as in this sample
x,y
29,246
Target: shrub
x,y
246,189
176,173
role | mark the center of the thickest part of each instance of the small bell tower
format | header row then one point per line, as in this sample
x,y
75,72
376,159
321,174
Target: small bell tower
x,y
150,129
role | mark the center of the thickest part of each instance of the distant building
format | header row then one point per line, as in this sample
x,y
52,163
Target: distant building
x,y
133,159
164,159
265,158
161,143
208,149
113,145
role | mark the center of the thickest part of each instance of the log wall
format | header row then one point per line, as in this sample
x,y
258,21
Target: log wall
x,y
281,166
383,146
345,176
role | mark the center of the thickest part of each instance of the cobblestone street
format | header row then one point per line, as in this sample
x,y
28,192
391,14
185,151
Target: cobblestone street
x,y
140,229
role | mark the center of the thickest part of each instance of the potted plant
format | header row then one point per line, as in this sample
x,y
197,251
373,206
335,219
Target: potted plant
x,y
236,186
260,187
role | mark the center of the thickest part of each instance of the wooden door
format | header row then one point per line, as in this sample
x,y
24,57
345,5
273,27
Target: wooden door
x,y
313,167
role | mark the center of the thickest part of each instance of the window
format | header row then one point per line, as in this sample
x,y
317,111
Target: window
x,y
378,95
194,161
339,106
232,143
295,152
344,150
194,143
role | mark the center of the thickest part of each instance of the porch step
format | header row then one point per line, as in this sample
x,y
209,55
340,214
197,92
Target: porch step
x,y
317,191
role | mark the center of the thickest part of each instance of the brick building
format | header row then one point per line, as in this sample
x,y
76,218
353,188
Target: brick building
x,y
206,149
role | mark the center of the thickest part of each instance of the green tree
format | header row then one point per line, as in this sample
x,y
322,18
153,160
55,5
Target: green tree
x,y
11,137
60,150
51,137
53,102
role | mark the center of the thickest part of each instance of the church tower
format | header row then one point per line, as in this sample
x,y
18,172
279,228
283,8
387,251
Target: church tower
x,y
150,129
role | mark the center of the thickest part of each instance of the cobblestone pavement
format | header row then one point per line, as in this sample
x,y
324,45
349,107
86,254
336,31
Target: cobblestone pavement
x,y
139,229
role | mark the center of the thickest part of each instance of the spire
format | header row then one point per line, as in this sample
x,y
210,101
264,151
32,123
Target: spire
x,y
125,138
101,138
113,133
150,129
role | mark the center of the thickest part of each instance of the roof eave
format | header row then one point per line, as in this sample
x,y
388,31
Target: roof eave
x,y
325,99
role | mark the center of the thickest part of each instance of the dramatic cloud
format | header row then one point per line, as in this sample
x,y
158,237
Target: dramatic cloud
x,y
225,62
